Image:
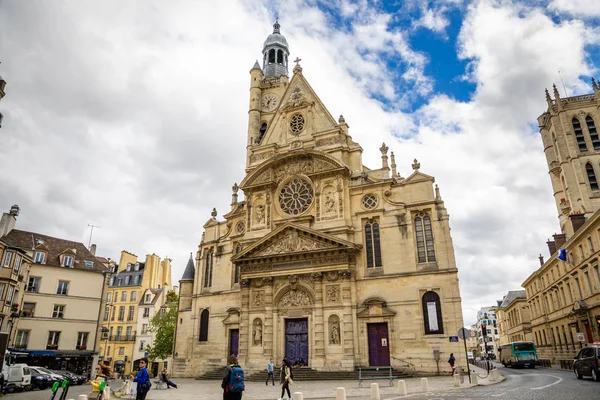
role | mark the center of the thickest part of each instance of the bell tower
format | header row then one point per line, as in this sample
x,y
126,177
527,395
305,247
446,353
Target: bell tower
x,y
275,54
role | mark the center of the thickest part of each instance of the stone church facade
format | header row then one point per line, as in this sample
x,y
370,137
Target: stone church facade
x,y
325,261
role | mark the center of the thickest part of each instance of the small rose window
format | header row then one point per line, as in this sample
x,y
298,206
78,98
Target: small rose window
x,y
240,227
369,201
296,196
297,123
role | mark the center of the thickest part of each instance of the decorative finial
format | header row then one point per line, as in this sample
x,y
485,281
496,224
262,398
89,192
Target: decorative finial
x,y
297,68
234,195
235,188
393,158
384,149
556,94
548,98
416,165
214,213
342,120
276,26
438,197
191,257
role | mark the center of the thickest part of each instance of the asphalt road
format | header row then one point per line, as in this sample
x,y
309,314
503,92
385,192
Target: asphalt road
x,y
523,384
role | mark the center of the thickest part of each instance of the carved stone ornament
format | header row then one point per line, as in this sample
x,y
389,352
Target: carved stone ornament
x,y
295,298
258,298
292,242
329,203
297,98
328,141
260,214
256,268
555,168
261,156
333,293
244,283
346,274
316,276
332,276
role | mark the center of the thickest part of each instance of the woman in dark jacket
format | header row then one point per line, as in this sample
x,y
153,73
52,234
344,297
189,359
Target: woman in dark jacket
x,y
227,395
142,379
285,377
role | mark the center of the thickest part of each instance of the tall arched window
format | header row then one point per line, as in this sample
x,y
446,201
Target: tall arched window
x,y
432,314
579,135
208,269
591,176
372,244
271,56
262,131
593,132
424,236
204,325
280,57
236,272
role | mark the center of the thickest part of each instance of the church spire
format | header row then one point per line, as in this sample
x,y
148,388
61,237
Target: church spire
x,y
275,53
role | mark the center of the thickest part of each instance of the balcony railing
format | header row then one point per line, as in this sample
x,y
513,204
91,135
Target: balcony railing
x,y
122,338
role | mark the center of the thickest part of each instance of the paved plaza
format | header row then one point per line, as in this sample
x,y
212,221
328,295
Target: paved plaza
x,y
211,390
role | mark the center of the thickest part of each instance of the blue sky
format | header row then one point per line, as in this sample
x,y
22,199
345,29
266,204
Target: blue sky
x,y
128,108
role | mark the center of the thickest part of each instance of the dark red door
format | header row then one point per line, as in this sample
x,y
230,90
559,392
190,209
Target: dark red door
x,y
379,345
234,340
296,340
588,332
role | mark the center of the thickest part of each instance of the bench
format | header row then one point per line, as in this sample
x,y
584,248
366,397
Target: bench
x,y
367,374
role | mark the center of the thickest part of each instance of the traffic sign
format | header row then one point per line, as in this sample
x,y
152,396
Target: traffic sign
x,y
463,333
580,337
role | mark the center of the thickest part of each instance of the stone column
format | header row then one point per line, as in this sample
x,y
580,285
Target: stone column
x,y
268,327
319,323
349,321
245,329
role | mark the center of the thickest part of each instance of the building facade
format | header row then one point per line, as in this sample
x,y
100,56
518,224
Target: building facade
x,y
325,261
487,331
58,316
123,296
564,292
514,322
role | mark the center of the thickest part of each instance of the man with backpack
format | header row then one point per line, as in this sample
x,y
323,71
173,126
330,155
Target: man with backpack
x,y
233,382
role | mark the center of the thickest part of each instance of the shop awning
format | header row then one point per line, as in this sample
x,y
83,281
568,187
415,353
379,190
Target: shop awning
x,y
42,353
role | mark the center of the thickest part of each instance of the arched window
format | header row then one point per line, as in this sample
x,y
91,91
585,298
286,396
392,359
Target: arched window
x,y
280,57
424,236
261,132
591,176
432,314
372,244
579,135
236,273
593,132
204,326
271,56
208,264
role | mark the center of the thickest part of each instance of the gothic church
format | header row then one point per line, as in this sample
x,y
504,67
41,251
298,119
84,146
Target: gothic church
x,y
325,261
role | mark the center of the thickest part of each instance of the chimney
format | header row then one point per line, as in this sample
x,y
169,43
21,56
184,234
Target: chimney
x,y
93,249
577,221
9,220
541,258
551,247
559,239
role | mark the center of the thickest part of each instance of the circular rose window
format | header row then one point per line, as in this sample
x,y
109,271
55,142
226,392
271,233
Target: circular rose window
x,y
369,201
297,123
295,196
240,227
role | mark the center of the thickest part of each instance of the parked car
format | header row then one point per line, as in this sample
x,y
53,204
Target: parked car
x,y
40,381
53,376
74,379
587,362
19,378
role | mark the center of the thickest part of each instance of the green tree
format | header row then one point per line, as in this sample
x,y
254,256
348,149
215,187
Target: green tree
x,y
163,325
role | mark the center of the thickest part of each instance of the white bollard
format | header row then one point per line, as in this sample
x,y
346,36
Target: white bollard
x,y
375,391
340,394
402,388
456,381
424,385
474,379
298,396
82,397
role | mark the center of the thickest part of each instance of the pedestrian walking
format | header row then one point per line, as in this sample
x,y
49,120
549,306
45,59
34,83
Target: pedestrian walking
x,y
164,376
233,383
270,372
286,378
143,380
451,361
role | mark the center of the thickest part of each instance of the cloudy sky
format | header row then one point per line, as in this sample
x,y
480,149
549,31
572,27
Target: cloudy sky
x,y
120,114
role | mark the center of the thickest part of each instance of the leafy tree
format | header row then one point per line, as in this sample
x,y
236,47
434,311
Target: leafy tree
x,y
163,325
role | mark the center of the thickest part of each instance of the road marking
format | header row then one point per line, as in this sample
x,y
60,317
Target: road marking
x,y
552,384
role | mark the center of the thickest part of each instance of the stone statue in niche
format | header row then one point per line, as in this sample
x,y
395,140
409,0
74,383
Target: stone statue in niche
x,y
329,202
260,214
257,334
335,333
333,294
258,299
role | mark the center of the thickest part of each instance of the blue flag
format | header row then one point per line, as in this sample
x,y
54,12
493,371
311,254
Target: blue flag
x,y
562,255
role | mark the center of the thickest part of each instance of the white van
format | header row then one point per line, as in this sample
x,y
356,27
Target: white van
x,y
19,377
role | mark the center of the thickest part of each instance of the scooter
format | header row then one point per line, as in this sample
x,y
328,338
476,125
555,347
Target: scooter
x,y
65,390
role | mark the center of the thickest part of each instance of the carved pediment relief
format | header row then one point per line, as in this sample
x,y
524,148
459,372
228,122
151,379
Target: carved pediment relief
x,y
293,242
295,298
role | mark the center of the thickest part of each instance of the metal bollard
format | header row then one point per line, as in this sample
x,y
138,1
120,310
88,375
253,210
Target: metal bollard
x,y
375,391
340,394
424,385
298,396
402,388
474,379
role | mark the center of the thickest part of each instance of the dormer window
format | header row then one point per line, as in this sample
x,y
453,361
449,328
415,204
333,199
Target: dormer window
x,y
67,261
147,298
128,267
89,263
137,267
40,257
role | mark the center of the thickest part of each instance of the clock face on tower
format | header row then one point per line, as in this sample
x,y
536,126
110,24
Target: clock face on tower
x,y
269,102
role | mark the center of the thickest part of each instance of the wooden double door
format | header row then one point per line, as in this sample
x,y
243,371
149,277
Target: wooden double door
x,y
296,340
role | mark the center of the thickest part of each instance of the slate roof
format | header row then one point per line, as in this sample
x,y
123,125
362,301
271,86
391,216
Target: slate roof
x,y
511,296
29,241
190,270
156,294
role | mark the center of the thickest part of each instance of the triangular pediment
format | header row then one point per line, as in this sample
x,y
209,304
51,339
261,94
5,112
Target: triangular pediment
x,y
418,176
292,239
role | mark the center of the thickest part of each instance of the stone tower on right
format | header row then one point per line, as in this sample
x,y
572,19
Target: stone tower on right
x,y
569,130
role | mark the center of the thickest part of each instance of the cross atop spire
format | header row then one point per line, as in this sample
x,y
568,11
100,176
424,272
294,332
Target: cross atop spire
x,y
276,26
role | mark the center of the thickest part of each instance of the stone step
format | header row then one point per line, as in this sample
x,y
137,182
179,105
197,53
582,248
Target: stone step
x,y
306,374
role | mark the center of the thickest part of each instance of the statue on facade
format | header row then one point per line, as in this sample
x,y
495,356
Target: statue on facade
x,y
257,333
329,203
335,333
260,214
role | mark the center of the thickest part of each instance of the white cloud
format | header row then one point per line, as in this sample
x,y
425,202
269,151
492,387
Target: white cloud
x,y
433,19
579,8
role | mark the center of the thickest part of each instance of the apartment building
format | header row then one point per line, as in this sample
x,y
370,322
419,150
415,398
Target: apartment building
x,y
487,331
120,315
514,322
